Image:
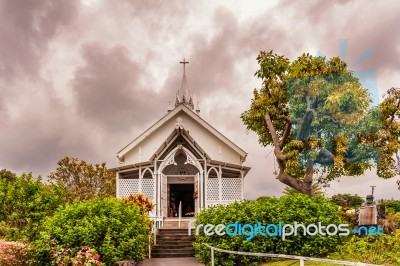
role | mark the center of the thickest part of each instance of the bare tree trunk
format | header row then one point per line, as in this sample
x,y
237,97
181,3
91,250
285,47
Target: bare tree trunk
x,y
304,186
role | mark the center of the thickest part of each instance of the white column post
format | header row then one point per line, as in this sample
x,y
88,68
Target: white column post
x,y
201,195
220,184
158,194
242,180
117,184
154,182
140,178
205,183
161,177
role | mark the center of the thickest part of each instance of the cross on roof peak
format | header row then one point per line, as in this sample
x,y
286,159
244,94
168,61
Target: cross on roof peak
x,y
183,96
184,62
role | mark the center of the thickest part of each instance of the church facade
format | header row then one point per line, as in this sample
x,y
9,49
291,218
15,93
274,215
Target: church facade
x,y
182,160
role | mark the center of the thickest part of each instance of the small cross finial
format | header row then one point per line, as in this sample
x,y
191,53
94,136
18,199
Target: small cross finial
x,y
184,62
373,188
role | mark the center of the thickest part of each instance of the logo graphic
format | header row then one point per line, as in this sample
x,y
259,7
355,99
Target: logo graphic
x,y
282,230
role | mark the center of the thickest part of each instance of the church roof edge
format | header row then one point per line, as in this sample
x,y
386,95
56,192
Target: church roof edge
x,y
121,153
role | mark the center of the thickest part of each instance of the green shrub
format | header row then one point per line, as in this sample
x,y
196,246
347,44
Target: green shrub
x,y
24,204
141,200
377,250
287,209
13,253
112,228
393,205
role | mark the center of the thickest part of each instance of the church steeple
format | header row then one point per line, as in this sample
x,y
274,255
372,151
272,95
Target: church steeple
x,y
183,96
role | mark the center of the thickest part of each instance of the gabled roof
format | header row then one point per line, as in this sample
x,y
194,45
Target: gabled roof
x,y
170,115
174,136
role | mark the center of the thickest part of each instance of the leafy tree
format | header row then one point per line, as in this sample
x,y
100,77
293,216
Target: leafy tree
x,y
320,121
80,180
347,200
8,175
24,204
316,190
393,205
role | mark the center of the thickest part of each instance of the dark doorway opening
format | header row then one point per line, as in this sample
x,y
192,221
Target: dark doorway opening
x,y
181,193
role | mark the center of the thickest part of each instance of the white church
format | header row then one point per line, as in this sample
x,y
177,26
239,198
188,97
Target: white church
x,y
182,160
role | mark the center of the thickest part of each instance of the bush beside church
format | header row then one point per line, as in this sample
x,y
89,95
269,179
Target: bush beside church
x,y
38,227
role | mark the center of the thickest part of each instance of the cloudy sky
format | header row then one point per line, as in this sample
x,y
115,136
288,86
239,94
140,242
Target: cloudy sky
x,y
83,78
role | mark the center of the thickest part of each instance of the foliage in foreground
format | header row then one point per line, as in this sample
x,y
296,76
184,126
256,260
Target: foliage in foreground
x,y
13,253
287,209
114,229
288,262
347,200
141,200
24,204
81,180
86,256
393,205
377,250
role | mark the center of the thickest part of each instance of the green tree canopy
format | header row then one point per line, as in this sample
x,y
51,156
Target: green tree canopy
x,y
25,202
347,200
320,121
80,180
7,175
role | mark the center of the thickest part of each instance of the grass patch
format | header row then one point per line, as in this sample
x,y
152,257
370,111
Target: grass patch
x,y
295,263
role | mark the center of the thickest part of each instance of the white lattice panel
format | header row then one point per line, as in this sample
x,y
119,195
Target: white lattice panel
x,y
127,187
212,189
148,187
231,188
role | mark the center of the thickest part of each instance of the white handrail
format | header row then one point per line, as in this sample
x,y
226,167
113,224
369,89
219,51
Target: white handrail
x,y
295,257
180,214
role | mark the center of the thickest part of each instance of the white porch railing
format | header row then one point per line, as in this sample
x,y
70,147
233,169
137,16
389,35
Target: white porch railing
x,y
180,214
156,223
300,258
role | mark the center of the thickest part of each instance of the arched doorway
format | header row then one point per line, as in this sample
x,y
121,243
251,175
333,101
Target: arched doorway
x,y
179,183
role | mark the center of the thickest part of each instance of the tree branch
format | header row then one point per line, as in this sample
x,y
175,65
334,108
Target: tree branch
x,y
285,135
287,130
277,150
327,157
392,115
304,186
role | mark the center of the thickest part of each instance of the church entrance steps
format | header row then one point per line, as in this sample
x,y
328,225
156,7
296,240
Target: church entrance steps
x,y
173,243
174,223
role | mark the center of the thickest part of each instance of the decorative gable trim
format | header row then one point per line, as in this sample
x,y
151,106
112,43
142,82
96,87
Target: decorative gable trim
x,y
179,124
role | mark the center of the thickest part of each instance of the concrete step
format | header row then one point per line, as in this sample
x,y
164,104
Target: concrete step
x,y
173,243
190,238
175,224
182,233
169,240
173,251
170,249
177,235
174,230
172,255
